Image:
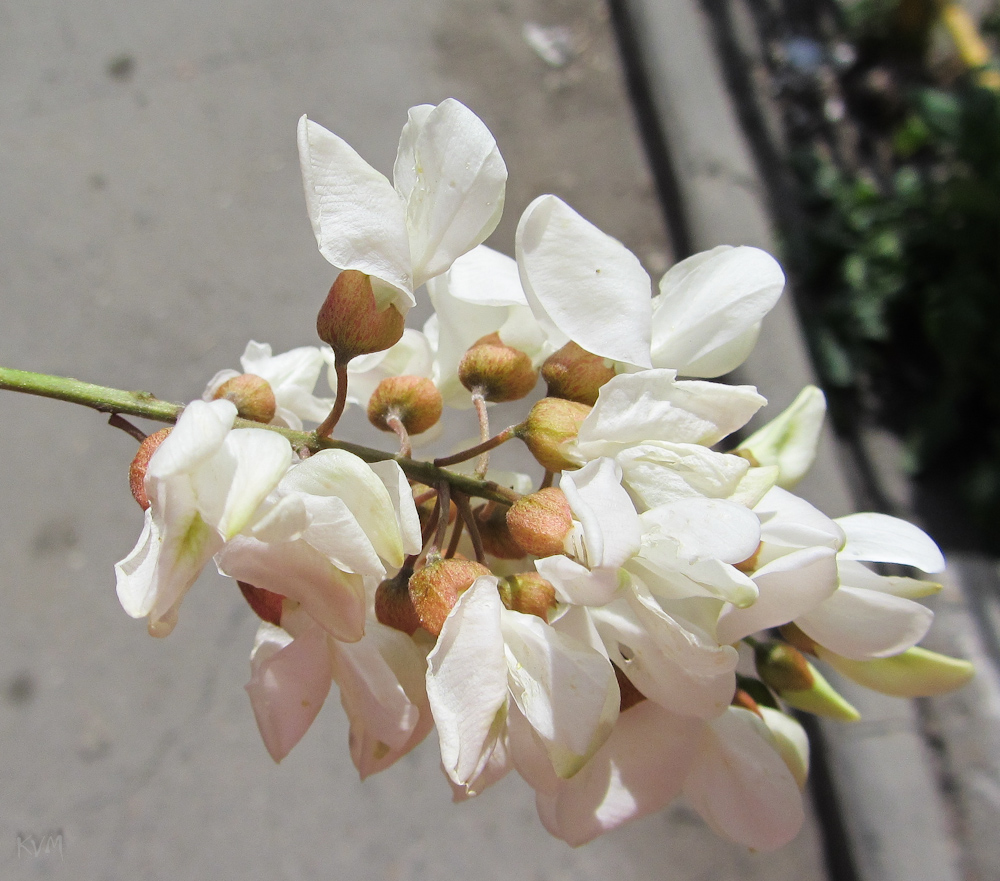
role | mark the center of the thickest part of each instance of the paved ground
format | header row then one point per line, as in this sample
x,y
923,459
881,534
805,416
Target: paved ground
x,y
151,222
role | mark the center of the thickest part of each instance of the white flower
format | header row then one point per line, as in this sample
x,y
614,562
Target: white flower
x,y
582,284
292,376
487,657
206,485
358,519
708,312
448,197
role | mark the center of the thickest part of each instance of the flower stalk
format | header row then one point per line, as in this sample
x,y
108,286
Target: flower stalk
x,y
143,404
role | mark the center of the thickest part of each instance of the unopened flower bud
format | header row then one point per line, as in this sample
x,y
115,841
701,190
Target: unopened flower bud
x,y
916,672
540,522
551,426
265,603
393,606
575,374
499,371
743,699
799,684
137,470
794,636
529,593
435,589
491,520
414,400
252,395
351,322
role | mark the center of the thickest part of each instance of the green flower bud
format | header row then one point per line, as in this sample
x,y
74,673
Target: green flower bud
x,y
916,672
551,426
799,684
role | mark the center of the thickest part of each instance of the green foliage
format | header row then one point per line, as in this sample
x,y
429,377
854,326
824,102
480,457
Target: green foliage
x,y
907,272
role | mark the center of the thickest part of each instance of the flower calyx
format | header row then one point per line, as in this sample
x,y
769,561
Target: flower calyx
x,y
799,684
497,371
252,395
575,374
551,427
351,322
528,593
413,400
137,470
540,522
393,606
436,587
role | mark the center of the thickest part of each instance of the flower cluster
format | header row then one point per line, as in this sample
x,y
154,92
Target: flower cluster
x,y
629,623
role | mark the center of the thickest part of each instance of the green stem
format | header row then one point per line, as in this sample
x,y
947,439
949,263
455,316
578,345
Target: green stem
x,y
147,406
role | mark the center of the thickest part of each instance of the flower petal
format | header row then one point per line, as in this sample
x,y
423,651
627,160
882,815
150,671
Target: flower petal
x,y
652,405
741,786
357,216
199,433
880,538
862,624
451,178
467,682
587,285
289,681
708,304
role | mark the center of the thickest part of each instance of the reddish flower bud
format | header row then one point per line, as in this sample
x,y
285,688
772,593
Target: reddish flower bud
x,y
137,470
540,522
551,426
252,395
414,400
351,322
794,636
393,606
575,374
265,603
491,519
529,593
499,371
436,588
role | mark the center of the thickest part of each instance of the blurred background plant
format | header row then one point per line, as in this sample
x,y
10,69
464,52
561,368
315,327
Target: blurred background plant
x,y
896,245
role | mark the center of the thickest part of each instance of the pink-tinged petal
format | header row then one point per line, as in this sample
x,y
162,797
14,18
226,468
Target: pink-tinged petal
x,y
199,433
705,318
880,538
564,688
862,624
789,587
498,765
652,405
639,769
588,286
467,682
289,681
673,665
610,523
334,599
741,786
357,217
381,681
451,178
577,584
